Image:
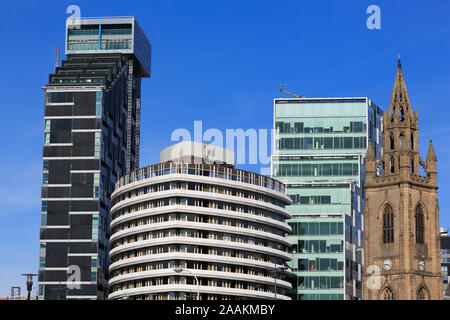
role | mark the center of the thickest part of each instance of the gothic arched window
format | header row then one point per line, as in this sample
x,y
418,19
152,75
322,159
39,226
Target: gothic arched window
x,y
392,141
401,114
422,294
419,225
401,140
412,141
388,224
388,294
392,165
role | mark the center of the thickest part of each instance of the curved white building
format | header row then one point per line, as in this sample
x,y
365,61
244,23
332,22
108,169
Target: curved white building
x,y
173,221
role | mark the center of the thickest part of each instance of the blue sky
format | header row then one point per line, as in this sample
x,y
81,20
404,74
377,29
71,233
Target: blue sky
x,y
221,62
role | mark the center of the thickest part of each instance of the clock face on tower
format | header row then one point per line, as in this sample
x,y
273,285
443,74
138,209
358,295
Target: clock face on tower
x,y
387,264
421,265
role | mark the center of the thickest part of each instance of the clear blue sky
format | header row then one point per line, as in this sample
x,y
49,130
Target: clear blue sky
x,y
220,62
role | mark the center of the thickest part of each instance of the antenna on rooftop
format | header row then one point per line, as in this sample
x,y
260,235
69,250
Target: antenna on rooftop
x,y
56,57
293,95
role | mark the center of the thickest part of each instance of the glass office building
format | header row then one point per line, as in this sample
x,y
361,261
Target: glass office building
x,y
91,138
319,148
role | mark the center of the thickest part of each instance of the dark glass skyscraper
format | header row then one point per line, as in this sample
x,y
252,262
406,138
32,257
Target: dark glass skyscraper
x,y
91,138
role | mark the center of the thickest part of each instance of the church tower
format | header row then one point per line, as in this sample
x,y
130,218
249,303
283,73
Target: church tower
x,y
402,243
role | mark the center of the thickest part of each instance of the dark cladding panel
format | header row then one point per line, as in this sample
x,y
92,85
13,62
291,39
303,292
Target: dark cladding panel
x,y
83,247
83,144
84,97
82,190
85,290
57,192
84,103
86,164
58,165
82,179
56,254
55,219
80,220
54,291
61,124
87,205
80,138
84,109
57,136
81,232
83,150
60,97
87,123
59,172
58,207
84,262
53,275
60,233
57,151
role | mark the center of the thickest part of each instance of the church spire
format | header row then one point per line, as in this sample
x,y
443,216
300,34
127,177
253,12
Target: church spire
x,y
400,131
431,156
369,153
400,106
369,162
432,165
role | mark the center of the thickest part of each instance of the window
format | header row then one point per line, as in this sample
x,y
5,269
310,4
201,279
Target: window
x,y
338,142
280,126
401,114
308,143
348,169
96,192
45,178
95,227
97,146
392,165
419,225
42,255
348,141
47,137
47,124
328,143
43,219
422,294
44,206
298,127
97,179
388,224
388,294
401,140
289,143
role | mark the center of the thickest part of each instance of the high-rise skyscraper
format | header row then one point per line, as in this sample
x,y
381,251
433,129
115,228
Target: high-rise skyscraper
x,y
319,148
91,138
402,213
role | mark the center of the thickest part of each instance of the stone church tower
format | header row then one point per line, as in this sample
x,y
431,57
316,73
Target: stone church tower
x,y
402,244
